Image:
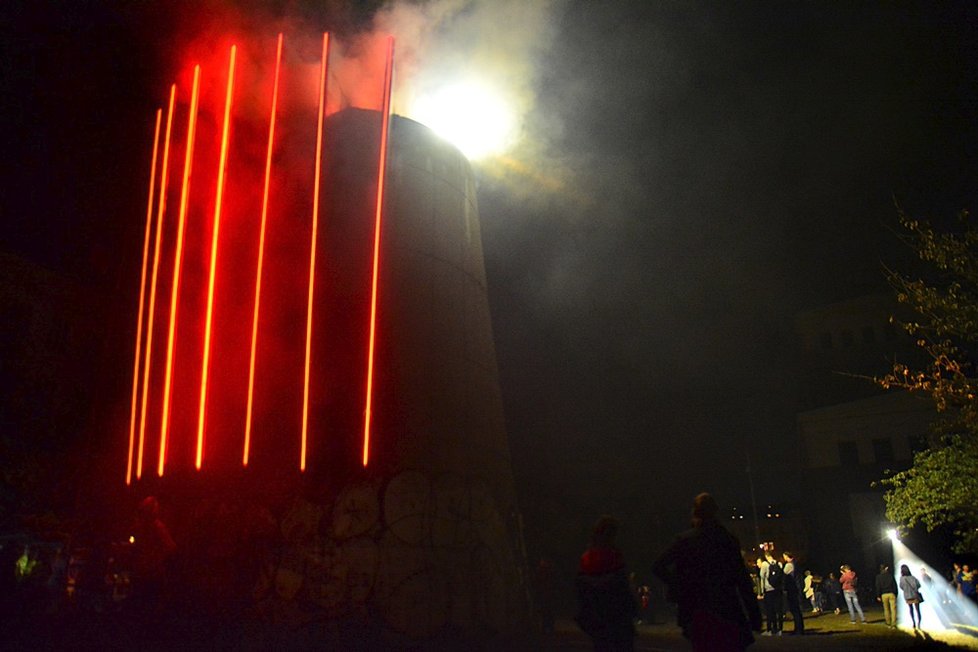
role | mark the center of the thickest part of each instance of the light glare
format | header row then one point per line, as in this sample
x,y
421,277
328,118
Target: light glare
x,y
469,115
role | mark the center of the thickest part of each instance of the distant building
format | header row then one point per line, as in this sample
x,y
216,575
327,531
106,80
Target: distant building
x,y
843,345
852,432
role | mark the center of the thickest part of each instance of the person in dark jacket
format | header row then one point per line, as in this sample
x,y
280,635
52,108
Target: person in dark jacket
x,y
886,589
792,592
833,592
607,606
708,579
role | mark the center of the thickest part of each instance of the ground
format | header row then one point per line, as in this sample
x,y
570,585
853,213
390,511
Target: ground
x,y
823,632
110,632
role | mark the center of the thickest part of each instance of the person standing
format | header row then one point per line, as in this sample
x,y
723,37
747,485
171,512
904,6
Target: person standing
x,y
910,586
792,592
886,589
707,578
968,582
644,599
607,606
772,585
849,581
956,578
152,548
809,590
833,592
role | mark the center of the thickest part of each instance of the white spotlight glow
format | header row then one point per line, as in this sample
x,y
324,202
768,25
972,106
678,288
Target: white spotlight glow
x,y
470,115
892,534
942,608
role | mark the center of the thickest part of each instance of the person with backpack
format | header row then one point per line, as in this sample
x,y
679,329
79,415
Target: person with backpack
x,y
849,581
772,585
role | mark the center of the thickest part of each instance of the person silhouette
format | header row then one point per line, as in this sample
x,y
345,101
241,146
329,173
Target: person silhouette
x,y
152,547
607,605
707,578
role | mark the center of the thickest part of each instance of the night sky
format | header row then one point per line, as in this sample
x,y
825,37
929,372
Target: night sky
x,y
694,175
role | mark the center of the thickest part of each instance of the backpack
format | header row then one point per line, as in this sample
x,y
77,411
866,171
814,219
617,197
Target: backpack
x,y
775,575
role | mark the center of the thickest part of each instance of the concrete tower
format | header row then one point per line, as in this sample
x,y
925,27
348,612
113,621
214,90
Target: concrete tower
x,y
423,544
428,535
336,452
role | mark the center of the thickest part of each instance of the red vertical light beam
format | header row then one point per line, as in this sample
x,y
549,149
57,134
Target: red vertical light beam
x,y
151,315
218,204
142,294
382,166
261,255
312,251
177,263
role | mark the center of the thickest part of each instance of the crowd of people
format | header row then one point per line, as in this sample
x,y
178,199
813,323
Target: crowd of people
x,y
74,575
720,597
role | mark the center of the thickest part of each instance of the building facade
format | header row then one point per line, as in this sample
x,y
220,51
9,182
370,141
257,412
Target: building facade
x,y
851,432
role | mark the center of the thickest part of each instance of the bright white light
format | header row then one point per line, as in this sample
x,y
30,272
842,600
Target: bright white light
x,y
892,534
942,607
471,116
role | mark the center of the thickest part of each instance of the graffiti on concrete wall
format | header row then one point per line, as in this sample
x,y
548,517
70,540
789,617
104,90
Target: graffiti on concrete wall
x,y
419,553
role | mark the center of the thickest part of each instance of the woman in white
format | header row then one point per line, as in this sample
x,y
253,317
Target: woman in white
x,y
810,591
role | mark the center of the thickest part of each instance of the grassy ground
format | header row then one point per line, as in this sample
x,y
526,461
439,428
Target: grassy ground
x,y
107,632
823,632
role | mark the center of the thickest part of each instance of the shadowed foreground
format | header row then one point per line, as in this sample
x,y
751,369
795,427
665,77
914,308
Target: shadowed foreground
x,y
115,632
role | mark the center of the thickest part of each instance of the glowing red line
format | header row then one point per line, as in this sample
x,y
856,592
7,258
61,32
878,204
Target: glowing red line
x,y
261,255
150,326
385,125
142,294
312,251
177,262
218,202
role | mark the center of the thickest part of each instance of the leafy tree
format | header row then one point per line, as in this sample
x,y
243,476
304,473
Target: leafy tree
x,y
940,489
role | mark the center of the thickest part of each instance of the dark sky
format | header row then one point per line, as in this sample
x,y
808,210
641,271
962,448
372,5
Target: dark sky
x,y
742,161
723,166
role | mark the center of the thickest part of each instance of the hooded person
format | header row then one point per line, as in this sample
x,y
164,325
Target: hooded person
x,y
708,579
607,605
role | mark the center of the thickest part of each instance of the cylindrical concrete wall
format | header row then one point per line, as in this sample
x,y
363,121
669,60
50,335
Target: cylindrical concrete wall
x,y
424,541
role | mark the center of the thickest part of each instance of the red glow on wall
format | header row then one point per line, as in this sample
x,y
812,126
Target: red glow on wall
x,y
161,211
151,317
381,169
177,265
261,253
265,329
304,443
218,203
